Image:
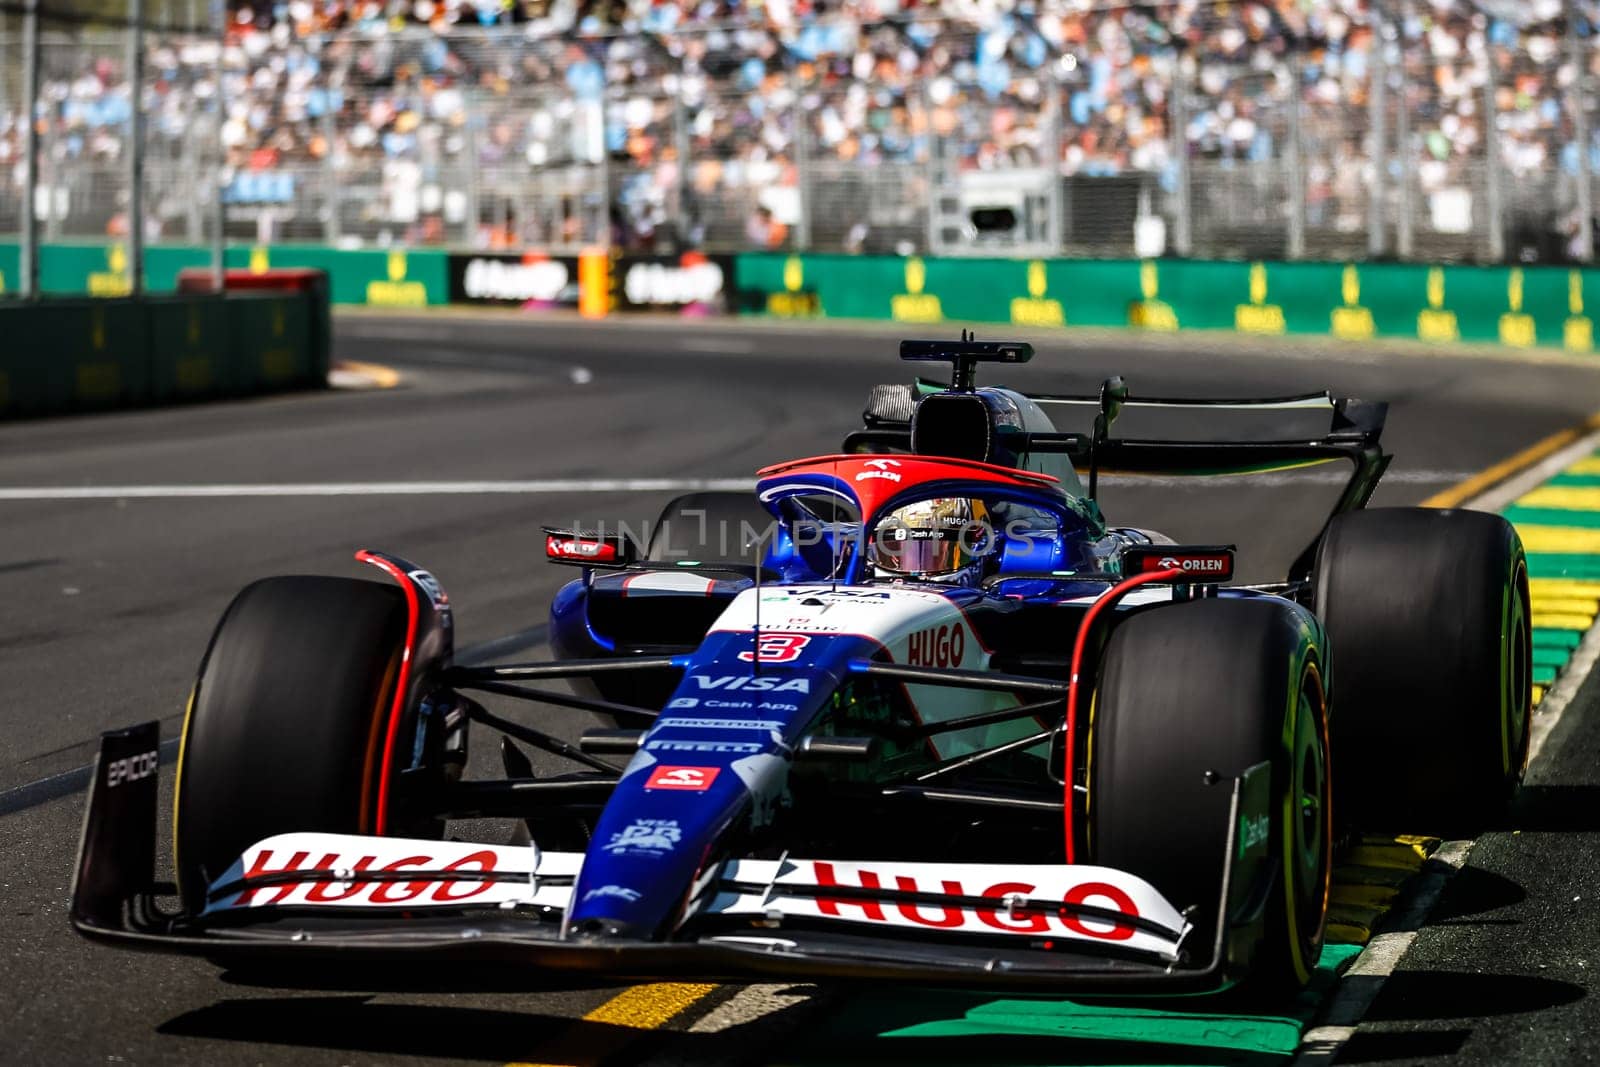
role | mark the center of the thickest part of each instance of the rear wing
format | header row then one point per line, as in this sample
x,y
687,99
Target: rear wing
x,y
1353,433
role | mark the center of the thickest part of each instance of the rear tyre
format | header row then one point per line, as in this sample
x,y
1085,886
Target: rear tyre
x,y
1212,688
287,720
1427,615
710,526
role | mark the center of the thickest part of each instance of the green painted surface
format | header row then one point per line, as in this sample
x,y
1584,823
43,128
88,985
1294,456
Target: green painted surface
x,y
1517,306
361,276
1566,639
1552,517
936,1027
1564,565
1544,675
1551,657
1575,480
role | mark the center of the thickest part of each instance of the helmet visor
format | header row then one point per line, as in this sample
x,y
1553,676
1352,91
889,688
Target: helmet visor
x,y
912,550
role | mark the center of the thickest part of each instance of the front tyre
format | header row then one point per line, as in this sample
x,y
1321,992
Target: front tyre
x,y
286,724
1191,696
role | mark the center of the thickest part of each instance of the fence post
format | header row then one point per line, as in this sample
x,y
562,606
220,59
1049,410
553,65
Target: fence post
x,y
193,161
1052,161
935,150
1402,138
680,148
1493,207
136,147
29,252
1183,207
473,207
802,166
50,173
1377,148
331,225
1296,160
219,236
1578,103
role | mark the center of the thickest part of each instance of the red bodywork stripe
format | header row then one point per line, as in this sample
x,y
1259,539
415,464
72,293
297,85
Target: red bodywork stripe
x,y
401,683
992,471
1105,600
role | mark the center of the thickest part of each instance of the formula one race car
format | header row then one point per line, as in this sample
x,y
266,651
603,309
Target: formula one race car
x,y
925,717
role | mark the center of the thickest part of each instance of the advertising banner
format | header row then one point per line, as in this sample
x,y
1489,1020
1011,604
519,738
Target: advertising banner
x,y
1508,305
531,280
693,282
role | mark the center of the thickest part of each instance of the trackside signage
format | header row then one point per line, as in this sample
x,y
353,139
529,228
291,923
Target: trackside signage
x,y
692,281
533,280
1081,903
1515,306
337,869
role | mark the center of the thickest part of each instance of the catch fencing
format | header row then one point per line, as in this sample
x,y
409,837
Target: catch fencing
x,y
1434,133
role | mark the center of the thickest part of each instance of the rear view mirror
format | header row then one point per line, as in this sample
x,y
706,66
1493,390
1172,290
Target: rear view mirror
x,y
1113,394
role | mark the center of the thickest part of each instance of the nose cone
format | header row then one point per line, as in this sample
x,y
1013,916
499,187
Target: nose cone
x,y
715,763
662,826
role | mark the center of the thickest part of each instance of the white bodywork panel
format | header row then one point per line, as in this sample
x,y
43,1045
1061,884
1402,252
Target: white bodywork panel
x,y
1019,899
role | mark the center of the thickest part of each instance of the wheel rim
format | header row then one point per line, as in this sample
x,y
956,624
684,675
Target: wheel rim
x,y
1308,822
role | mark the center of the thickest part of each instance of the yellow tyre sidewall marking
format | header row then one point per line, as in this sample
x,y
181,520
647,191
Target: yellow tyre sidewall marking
x,y
177,777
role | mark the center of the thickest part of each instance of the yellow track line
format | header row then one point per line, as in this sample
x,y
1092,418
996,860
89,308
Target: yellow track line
x,y
1559,539
1580,588
645,1007
1563,497
382,377
1491,476
638,1008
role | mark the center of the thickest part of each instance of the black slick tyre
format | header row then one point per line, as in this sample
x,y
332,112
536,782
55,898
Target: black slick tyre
x,y
1189,697
285,725
1427,615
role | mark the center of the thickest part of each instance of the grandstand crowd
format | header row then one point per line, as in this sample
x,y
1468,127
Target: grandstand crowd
x,y
690,106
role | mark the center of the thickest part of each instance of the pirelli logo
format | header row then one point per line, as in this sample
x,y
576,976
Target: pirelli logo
x,y
1199,563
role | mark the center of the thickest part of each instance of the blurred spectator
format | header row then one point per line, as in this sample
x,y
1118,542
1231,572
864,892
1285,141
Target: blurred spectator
x,y
697,114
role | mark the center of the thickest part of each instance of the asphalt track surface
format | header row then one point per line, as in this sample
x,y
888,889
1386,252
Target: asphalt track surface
x,y
108,603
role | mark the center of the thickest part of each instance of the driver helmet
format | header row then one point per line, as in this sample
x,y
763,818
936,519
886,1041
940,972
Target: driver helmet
x,y
942,539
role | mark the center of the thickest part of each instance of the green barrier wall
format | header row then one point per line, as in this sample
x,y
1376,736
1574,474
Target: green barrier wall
x,y
1516,306
382,278
80,354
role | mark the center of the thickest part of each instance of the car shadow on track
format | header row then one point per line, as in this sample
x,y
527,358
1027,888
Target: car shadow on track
x,y
1412,996
1409,1019
1556,809
1473,891
356,1024
476,978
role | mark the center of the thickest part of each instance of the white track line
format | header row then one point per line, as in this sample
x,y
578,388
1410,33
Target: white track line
x,y
751,1003
1359,986
246,489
